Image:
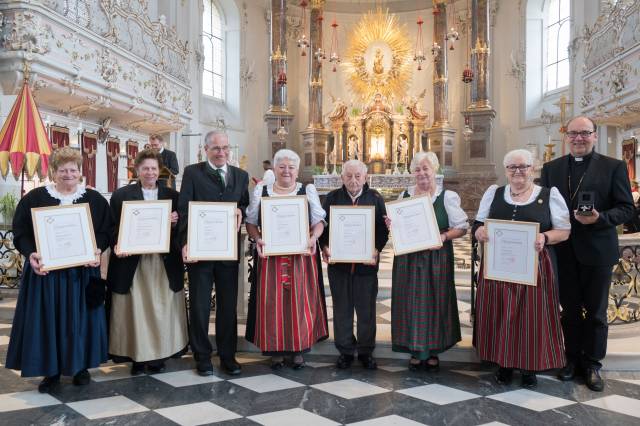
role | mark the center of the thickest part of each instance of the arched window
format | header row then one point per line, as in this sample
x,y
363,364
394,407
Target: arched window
x,y
557,29
213,42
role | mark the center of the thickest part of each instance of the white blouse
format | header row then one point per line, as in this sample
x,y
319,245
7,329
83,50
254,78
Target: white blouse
x,y
66,199
150,194
458,219
559,210
317,212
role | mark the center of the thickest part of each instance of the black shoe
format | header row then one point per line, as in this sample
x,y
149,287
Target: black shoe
x,y
137,368
368,362
277,363
568,372
434,365
230,366
529,379
205,368
82,378
344,361
47,383
504,375
156,368
593,380
415,366
298,362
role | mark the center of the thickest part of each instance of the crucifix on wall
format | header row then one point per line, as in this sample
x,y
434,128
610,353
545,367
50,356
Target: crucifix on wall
x,y
563,103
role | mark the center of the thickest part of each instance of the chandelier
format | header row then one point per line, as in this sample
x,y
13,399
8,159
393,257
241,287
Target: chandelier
x,y
334,58
418,55
303,42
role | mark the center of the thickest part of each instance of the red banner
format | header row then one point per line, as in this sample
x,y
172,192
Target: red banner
x,y
59,137
113,154
89,144
132,152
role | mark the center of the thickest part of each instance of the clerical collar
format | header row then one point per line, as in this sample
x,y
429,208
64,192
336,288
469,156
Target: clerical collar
x,y
582,160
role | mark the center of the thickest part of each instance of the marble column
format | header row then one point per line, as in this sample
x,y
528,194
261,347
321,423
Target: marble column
x,y
278,115
441,134
315,136
479,169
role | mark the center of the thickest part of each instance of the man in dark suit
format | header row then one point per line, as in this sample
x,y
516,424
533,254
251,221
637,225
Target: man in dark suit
x,y
354,286
169,159
585,260
213,180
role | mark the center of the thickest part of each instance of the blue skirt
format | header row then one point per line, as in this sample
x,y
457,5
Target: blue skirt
x,y
54,332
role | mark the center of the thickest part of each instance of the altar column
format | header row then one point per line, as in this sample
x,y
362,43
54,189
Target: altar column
x,y
315,136
441,134
278,115
479,169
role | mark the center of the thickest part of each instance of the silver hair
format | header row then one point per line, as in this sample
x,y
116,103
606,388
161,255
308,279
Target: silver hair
x,y
208,138
421,156
511,155
286,154
362,168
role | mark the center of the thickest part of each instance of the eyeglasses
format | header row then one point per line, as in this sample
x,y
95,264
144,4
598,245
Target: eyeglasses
x,y
521,168
583,134
220,148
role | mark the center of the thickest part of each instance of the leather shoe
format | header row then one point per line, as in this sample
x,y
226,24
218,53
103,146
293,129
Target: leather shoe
x,y
205,368
137,368
432,364
297,362
156,368
344,361
230,366
593,380
529,379
82,378
47,383
568,372
415,364
504,375
368,362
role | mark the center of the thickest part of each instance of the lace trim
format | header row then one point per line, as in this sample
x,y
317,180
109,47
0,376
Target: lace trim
x,y
69,198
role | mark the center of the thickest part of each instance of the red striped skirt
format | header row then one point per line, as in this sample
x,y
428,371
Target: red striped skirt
x,y
518,326
289,310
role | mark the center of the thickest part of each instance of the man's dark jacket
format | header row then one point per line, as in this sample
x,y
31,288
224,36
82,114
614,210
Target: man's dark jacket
x,y
597,244
369,197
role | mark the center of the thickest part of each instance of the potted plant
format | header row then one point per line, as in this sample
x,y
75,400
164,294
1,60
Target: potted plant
x,y
8,203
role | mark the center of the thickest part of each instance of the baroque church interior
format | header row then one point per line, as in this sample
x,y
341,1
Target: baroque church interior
x,y
332,80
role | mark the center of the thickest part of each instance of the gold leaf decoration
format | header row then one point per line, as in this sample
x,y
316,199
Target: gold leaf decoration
x,y
378,58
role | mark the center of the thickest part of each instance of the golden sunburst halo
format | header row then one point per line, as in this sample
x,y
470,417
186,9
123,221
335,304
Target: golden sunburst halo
x,y
378,59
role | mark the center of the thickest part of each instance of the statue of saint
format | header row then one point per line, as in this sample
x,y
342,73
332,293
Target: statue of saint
x,y
378,68
352,147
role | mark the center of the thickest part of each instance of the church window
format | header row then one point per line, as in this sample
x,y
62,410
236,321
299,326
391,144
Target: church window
x,y
556,71
213,43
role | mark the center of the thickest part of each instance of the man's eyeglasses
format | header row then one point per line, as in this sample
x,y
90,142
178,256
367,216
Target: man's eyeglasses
x,y
583,134
520,168
219,148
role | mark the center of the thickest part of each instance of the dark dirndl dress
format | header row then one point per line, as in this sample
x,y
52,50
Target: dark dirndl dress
x,y
516,325
287,310
54,330
424,307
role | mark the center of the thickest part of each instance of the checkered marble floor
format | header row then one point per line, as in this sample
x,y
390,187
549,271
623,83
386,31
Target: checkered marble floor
x,y
320,394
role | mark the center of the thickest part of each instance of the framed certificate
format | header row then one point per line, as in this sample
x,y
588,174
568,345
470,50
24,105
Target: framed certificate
x,y
212,231
351,234
285,225
510,253
64,236
145,227
413,225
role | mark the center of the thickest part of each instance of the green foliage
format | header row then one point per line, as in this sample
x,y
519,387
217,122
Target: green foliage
x,y
8,203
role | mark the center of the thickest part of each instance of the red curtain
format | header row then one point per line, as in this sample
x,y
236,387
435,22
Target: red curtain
x,y
113,155
89,146
59,137
132,152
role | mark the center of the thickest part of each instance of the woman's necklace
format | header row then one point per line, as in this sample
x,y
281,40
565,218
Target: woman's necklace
x,y
283,189
517,194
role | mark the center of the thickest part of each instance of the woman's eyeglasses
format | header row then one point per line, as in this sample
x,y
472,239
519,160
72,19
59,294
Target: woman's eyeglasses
x,y
520,168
